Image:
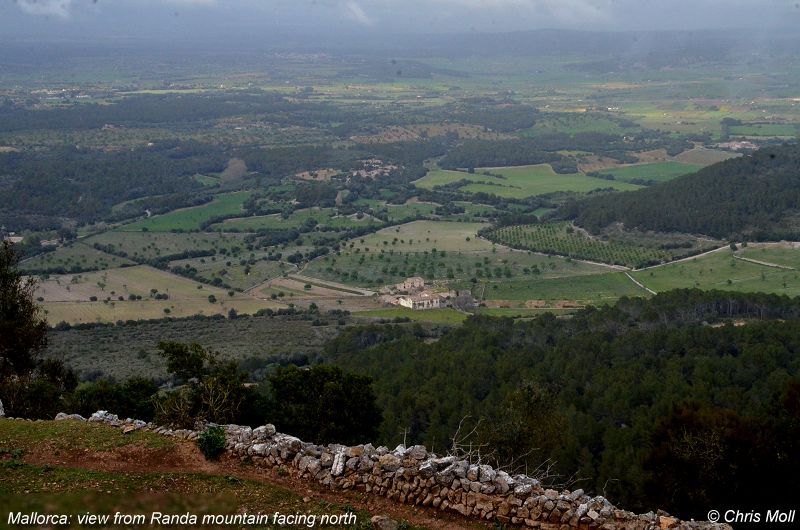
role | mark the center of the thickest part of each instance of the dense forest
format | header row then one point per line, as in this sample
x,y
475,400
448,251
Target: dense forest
x,y
754,197
84,184
633,398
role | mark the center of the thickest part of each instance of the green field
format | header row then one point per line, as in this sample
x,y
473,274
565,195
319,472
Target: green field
x,y
721,270
520,182
241,273
585,289
779,254
765,129
578,122
396,212
418,236
74,257
565,240
192,219
324,217
142,246
657,172
375,269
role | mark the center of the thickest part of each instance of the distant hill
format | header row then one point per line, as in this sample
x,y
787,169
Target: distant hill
x,y
756,197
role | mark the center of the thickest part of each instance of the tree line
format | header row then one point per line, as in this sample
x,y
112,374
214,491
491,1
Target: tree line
x,y
753,197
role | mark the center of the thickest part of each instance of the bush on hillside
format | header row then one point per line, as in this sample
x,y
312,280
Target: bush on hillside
x,y
212,442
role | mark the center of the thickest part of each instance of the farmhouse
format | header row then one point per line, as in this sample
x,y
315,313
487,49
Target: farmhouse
x,y
425,300
411,284
11,237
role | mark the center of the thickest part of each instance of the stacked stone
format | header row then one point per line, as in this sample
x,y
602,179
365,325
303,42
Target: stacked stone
x,y
414,476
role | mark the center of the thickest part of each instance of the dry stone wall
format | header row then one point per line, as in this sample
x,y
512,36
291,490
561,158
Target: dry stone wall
x,y
412,475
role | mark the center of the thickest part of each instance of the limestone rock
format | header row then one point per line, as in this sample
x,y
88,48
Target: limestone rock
x,y
666,522
103,416
417,452
264,432
381,522
390,462
427,469
62,417
338,464
487,474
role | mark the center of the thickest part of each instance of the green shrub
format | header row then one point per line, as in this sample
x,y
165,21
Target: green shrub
x,y
212,442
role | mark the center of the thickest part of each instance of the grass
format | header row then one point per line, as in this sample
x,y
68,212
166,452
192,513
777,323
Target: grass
x,y
69,297
587,289
76,435
777,254
765,129
721,270
520,182
705,157
143,246
657,172
192,219
77,256
437,316
139,487
419,236
576,122
240,274
396,212
324,217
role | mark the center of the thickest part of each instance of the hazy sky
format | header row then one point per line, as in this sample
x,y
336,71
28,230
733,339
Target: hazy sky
x,y
43,18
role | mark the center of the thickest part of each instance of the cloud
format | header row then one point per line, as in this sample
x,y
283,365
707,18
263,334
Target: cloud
x,y
357,13
50,8
63,8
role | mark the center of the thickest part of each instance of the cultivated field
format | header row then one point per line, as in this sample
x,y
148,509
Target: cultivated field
x,y
134,293
565,240
192,219
437,251
721,270
418,236
151,245
579,122
562,292
397,212
74,257
323,217
658,172
705,157
520,182
238,273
